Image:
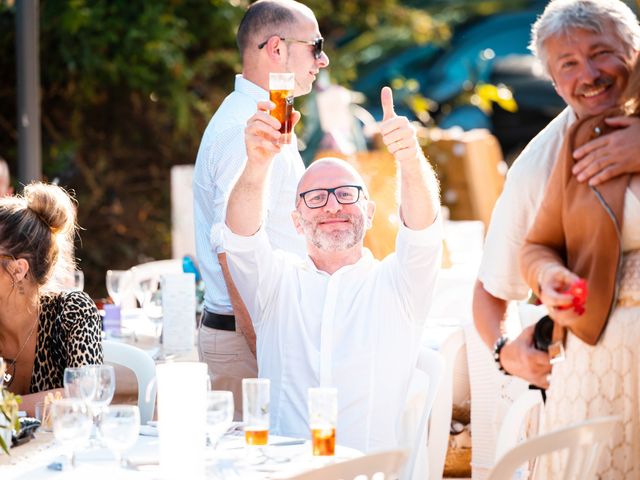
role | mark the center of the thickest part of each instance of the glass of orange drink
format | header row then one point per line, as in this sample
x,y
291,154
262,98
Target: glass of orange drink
x,y
255,410
323,415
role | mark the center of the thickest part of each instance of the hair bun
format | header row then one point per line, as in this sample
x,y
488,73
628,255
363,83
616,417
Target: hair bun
x,y
52,205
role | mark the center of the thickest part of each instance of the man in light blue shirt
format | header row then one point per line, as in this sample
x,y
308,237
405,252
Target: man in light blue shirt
x,y
273,36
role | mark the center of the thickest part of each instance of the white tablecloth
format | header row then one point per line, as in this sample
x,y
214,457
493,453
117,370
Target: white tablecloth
x,y
229,461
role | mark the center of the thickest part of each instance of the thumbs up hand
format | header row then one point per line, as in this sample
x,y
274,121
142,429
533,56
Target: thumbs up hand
x,y
386,99
397,133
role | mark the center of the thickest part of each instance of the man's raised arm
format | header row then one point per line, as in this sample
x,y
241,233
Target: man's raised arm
x,y
246,201
419,189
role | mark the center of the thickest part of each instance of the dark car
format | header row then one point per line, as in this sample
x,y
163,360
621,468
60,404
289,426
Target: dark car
x,y
491,50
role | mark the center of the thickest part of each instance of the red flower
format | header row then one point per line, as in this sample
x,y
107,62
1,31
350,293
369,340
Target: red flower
x,y
578,290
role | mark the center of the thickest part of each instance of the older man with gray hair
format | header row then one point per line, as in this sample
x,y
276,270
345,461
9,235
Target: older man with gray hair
x,y
588,48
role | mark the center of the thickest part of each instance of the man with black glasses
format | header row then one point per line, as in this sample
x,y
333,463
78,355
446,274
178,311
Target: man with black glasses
x,y
340,318
274,36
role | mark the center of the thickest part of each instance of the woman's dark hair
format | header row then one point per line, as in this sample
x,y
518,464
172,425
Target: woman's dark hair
x,y
39,226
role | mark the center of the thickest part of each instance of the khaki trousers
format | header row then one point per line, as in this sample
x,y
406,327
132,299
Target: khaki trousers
x,y
229,360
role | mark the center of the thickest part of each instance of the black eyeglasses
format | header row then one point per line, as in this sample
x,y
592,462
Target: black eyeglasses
x,y
318,197
317,44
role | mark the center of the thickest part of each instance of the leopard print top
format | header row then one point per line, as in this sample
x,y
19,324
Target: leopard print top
x,y
68,336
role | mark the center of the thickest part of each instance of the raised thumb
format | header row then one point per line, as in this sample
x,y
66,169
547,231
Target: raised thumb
x,y
386,99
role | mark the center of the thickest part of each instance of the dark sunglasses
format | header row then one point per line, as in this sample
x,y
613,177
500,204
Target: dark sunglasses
x,y
317,44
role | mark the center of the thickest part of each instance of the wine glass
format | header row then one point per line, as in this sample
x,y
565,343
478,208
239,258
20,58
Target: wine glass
x,y
118,283
152,303
105,387
143,284
120,427
71,424
219,414
79,383
78,280
105,384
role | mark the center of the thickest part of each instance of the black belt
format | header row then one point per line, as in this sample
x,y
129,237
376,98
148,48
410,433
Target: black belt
x,y
218,321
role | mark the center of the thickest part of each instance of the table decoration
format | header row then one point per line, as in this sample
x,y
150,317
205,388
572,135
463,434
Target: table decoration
x,y
43,411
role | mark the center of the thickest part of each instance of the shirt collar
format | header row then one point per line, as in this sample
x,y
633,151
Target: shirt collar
x,y
250,89
365,259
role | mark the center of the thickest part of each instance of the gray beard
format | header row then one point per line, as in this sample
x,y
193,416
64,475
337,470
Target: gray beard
x,y
337,240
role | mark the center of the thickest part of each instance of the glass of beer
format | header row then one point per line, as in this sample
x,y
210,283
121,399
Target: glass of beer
x,y
281,87
255,410
323,414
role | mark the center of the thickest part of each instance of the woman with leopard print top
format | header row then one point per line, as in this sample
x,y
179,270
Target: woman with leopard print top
x,y
43,329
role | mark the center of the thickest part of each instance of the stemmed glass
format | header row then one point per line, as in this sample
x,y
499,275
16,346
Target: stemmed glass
x,y
78,280
149,294
219,414
118,283
152,304
92,384
143,284
79,383
105,384
71,424
120,427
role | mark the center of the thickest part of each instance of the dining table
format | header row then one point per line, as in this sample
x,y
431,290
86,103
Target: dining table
x,y
43,458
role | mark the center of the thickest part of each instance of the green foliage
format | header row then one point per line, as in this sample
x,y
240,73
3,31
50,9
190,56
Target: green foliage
x,y
362,31
9,406
128,87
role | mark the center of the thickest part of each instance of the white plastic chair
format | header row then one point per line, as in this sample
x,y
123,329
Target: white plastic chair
x,y
510,430
144,369
388,463
433,365
158,267
440,421
584,442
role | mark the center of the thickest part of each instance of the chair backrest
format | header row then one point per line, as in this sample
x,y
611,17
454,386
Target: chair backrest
x,y
157,268
440,421
433,365
144,369
510,430
584,442
148,270
388,463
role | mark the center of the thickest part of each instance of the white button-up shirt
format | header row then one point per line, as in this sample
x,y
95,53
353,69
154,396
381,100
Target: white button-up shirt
x,y
358,330
221,158
516,210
